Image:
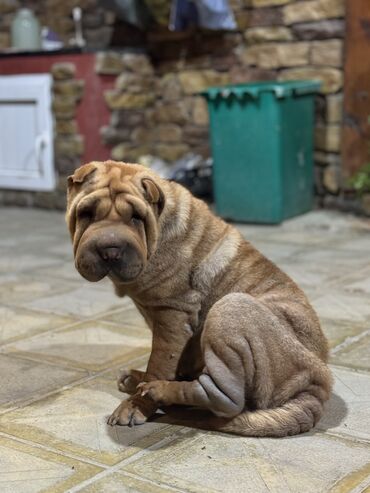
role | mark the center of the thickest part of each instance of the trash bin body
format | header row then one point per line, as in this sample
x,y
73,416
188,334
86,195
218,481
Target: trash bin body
x,y
262,146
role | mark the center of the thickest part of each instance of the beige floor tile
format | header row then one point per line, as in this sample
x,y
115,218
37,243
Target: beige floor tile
x,y
348,411
74,421
210,462
23,288
356,354
120,483
22,379
28,469
92,345
25,262
338,331
65,270
129,316
347,307
88,300
16,323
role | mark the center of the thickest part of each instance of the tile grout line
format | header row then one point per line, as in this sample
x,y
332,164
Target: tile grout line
x,y
54,450
71,385
124,462
349,340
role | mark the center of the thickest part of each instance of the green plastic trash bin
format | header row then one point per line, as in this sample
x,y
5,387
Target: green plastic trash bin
x,y
262,146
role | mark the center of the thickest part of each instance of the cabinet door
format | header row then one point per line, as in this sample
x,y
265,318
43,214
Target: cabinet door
x,y
26,133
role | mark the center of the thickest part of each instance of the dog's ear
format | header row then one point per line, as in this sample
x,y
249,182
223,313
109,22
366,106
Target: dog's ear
x,y
153,194
81,174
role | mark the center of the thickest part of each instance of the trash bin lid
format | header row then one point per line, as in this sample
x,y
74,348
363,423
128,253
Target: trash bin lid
x,y
280,89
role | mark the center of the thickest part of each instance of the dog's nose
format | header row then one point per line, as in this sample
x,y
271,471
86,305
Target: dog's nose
x,y
110,254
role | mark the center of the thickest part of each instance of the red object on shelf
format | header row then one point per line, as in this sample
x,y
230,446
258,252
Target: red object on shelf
x,y
92,111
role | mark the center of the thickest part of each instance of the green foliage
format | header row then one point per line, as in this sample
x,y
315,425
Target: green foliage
x,y
361,180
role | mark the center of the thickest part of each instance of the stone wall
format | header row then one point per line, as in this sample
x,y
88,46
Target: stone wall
x,y
154,106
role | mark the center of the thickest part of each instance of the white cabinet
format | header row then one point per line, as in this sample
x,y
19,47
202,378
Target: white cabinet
x,y
26,133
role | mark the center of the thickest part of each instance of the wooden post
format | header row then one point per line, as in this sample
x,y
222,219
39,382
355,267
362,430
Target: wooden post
x,y
356,127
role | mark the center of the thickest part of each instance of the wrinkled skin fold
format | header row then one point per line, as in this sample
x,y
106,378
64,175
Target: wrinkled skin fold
x,y
232,334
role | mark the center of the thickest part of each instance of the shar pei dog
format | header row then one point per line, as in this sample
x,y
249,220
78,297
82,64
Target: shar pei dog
x,y
231,333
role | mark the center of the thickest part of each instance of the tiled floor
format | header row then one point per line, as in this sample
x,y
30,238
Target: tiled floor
x,y
63,340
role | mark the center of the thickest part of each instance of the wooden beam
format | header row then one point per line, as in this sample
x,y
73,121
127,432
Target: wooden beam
x,y
356,127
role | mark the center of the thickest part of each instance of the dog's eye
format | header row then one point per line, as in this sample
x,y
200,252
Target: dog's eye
x,y
136,219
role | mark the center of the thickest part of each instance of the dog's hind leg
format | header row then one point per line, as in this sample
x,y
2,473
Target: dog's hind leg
x,y
253,362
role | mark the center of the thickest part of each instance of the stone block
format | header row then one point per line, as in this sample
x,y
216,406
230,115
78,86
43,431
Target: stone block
x,y
69,146
64,107
331,179
262,34
118,100
129,152
327,53
134,83
195,135
63,70
138,63
98,38
175,112
325,29
199,111
169,87
93,19
112,136
334,108
171,152
73,88
4,40
276,55
193,81
126,118
62,25
8,6
328,138
325,158
142,135
265,17
243,19
108,63
167,132
331,78
66,127
313,10
365,203
240,74
66,165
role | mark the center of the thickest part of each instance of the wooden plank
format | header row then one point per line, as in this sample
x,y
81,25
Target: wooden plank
x,y
356,128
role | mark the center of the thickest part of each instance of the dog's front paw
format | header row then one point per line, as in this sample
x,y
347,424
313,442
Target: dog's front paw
x,y
129,380
156,390
134,411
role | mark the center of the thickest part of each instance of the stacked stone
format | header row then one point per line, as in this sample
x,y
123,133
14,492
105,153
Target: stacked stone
x,y
67,93
303,40
68,143
157,115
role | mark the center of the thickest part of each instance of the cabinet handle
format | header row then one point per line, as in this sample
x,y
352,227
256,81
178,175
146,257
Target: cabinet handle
x,y
41,141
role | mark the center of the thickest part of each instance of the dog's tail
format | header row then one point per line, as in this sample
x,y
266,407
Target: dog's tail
x,y
297,415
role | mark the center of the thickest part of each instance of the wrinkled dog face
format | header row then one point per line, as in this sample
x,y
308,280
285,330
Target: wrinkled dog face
x,y
112,214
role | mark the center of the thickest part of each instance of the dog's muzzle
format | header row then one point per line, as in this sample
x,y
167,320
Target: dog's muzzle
x,y
109,253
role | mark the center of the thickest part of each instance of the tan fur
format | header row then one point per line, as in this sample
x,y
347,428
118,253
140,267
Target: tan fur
x,y
232,333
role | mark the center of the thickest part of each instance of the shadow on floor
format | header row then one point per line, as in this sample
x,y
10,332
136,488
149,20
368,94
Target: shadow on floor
x,y
335,413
